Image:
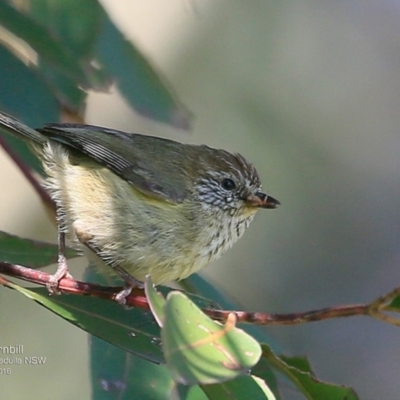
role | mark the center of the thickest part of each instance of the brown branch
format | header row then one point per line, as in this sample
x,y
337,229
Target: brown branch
x,y
137,298
258,318
70,286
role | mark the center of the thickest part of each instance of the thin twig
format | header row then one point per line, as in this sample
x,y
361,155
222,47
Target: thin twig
x,y
137,298
71,286
258,318
379,307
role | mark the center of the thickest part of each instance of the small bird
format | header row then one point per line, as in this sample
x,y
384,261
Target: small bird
x,y
141,204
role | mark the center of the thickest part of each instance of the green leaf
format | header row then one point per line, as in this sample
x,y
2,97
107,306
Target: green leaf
x,y
183,392
301,363
304,379
156,301
264,371
78,36
42,42
197,284
117,374
132,330
137,80
74,23
33,253
67,47
395,304
122,375
65,90
200,350
241,388
22,93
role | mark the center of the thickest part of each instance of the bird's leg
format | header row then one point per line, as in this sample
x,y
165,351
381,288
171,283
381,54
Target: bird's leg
x,y
62,268
130,281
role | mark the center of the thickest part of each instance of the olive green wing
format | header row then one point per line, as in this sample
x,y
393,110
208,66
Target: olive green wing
x,y
152,165
14,127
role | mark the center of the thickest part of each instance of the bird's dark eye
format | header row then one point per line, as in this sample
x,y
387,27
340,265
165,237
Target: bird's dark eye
x,y
228,184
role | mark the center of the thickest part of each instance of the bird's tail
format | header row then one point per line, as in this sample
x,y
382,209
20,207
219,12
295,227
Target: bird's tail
x,y
17,128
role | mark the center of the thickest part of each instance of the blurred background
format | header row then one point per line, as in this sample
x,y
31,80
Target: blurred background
x,y
309,91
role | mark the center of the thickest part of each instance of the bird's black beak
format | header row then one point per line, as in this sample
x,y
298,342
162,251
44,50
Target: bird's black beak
x,y
262,200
